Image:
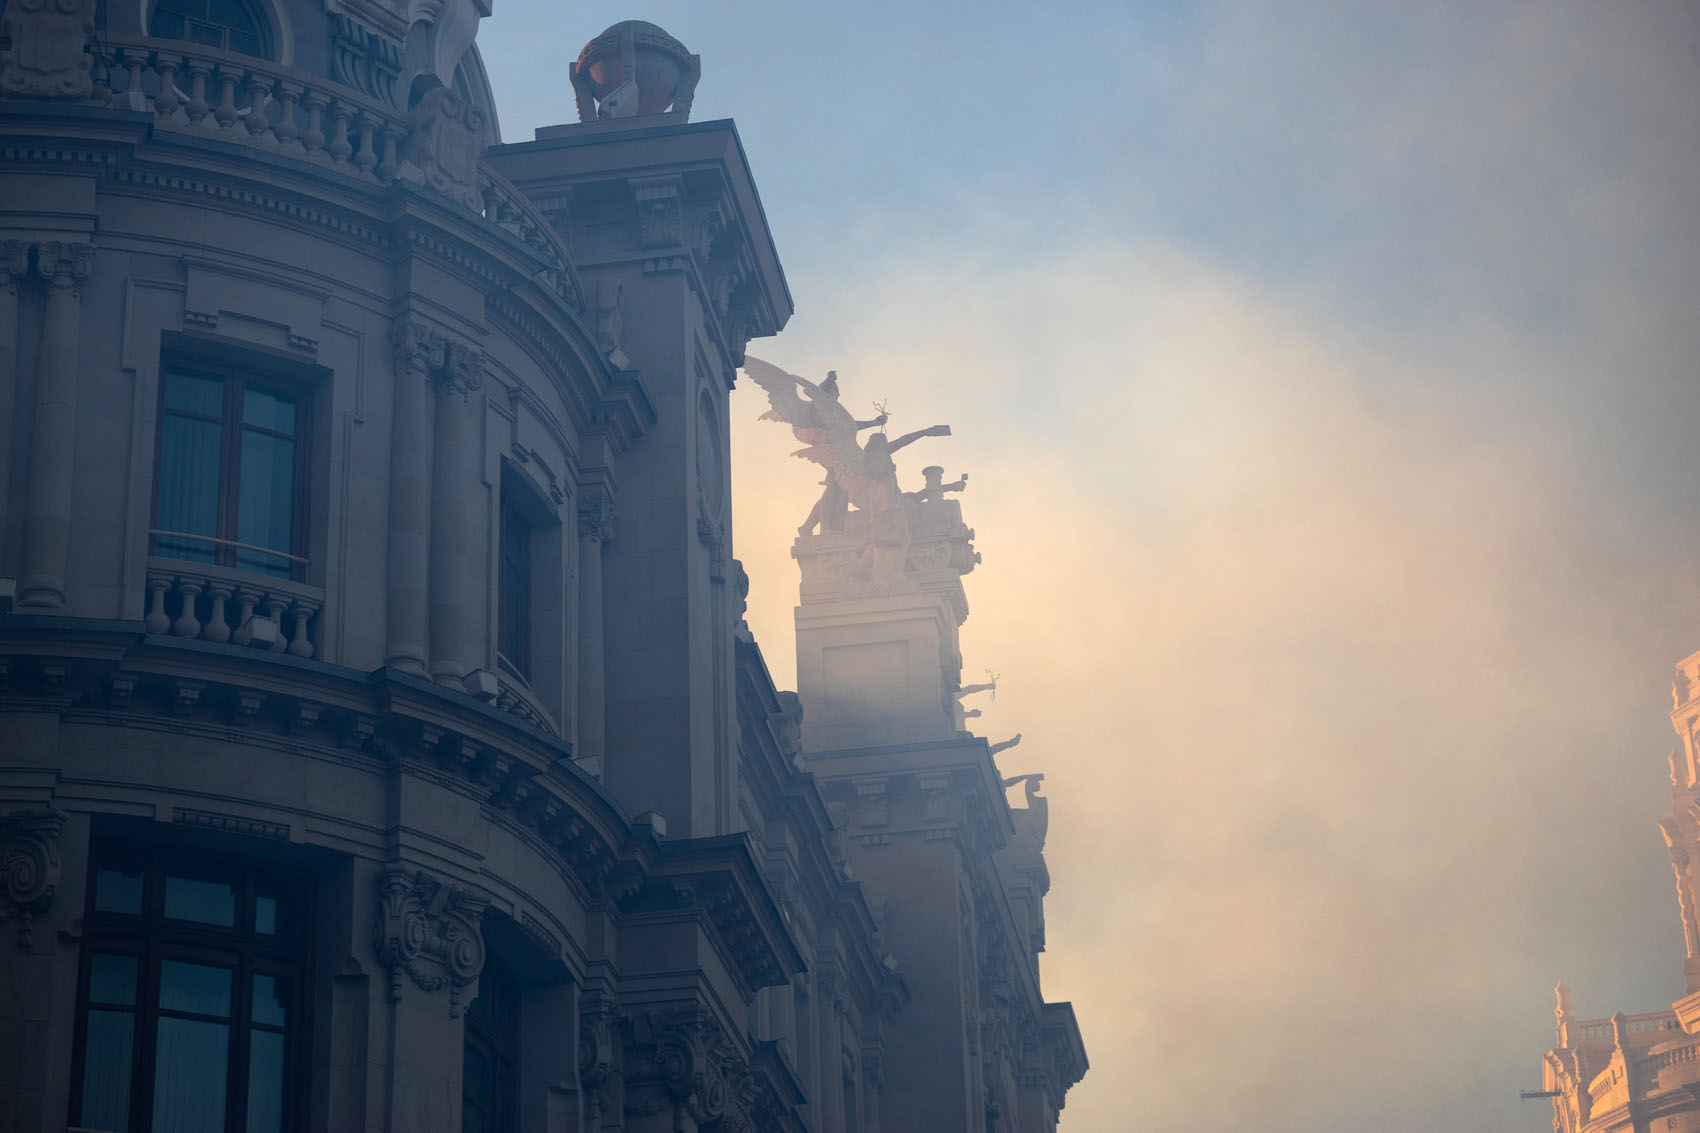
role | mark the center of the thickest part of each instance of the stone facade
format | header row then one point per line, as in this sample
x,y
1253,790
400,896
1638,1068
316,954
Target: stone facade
x,y
370,635
1638,1072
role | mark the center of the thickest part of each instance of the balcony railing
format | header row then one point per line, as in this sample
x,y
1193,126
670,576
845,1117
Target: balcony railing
x,y
214,603
237,98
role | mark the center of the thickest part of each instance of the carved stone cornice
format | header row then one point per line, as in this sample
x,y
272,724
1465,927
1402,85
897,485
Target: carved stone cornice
x,y
430,930
64,264
29,863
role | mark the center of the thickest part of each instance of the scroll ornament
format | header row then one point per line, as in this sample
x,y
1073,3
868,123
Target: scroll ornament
x,y
429,930
29,863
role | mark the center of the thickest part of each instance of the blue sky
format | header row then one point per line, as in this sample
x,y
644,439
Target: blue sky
x,y
1326,377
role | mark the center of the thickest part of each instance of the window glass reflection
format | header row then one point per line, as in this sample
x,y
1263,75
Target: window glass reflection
x,y
107,1057
188,1082
265,1082
196,988
112,979
118,891
209,902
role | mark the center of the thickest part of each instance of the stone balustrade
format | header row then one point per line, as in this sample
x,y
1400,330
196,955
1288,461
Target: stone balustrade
x,y
1645,1027
198,600
237,98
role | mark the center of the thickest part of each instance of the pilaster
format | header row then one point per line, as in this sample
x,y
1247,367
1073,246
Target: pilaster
x,y
64,266
418,351
14,266
456,538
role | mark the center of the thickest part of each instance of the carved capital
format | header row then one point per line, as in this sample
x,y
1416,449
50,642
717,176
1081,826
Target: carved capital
x,y
419,349
595,516
29,863
431,931
462,371
49,56
684,1061
14,264
64,264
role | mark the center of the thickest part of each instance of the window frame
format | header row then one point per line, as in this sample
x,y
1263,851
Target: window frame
x,y
496,1037
265,30
235,377
516,654
152,939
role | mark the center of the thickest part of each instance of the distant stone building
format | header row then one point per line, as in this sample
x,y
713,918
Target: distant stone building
x,y
381,746
1641,1073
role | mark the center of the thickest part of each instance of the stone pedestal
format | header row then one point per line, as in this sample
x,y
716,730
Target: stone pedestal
x,y
878,666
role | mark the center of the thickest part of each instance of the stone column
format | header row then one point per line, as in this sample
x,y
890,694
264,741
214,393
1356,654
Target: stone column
x,y
454,539
418,350
595,527
53,442
14,264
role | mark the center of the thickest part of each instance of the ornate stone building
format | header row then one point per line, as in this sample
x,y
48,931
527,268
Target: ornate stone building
x,y
1633,1073
381,747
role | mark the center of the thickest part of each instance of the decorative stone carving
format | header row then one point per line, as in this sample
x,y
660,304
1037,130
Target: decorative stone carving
x,y
862,474
610,321
683,1061
64,265
364,59
29,863
446,142
660,218
431,931
419,349
595,516
595,1059
462,372
14,265
49,55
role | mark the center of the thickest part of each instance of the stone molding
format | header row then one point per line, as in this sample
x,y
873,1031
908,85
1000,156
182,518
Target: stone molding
x,y
29,863
49,55
431,930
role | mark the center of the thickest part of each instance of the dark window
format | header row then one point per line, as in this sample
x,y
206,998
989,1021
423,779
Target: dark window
x,y
489,1078
233,25
513,637
192,997
231,471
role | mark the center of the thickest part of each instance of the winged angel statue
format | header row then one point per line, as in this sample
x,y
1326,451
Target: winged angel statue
x,y
856,473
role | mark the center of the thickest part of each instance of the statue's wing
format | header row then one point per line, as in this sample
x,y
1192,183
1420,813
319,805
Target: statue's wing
x,y
819,421
781,390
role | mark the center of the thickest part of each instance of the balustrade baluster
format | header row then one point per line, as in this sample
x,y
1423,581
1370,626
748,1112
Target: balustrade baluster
x,y
313,137
165,101
387,167
339,147
299,646
245,599
259,93
284,127
366,157
217,629
133,97
225,113
187,625
199,71
156,620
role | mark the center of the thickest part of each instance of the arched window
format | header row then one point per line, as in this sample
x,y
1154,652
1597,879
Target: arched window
x,y
234,25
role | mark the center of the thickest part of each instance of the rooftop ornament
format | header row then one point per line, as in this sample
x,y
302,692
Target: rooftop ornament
x,y
634,68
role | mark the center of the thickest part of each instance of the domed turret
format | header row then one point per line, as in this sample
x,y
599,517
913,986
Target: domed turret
x,y
634,68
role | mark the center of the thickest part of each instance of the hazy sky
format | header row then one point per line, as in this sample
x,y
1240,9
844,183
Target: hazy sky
x,y
1326,378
